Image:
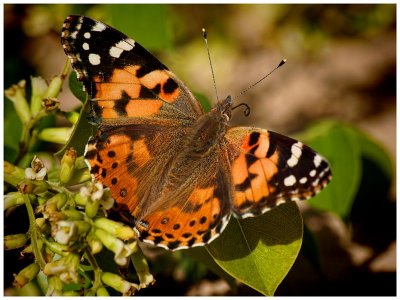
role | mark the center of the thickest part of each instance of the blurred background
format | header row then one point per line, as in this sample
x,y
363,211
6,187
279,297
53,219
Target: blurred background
x,y
341,65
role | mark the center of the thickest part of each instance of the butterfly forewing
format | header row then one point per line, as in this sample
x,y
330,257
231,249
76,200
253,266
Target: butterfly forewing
x,y
126,81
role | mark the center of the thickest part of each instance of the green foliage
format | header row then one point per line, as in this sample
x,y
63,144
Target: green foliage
x,y
260,251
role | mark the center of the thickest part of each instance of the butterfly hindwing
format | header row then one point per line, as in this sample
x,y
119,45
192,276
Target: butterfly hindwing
x,y
125,81
269,169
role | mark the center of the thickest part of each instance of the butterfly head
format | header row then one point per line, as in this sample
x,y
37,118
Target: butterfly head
x,y
224,108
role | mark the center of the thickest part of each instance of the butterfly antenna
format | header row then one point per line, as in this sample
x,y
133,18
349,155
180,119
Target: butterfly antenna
x,y
209,59
254,84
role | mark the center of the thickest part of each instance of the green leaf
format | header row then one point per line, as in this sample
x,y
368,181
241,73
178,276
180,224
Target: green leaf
x,y
260,251
82,132
339,144
76,87
12,131
205,103
373,151
146,23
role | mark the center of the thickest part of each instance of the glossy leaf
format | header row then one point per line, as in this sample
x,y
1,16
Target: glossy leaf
x,y
260,251
81,133
338,143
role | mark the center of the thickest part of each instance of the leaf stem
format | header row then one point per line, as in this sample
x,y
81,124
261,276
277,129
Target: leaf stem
x,y
96,269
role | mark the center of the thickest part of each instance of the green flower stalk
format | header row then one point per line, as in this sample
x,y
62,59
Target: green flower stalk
x,y
119,284
68,165
39,87
16,93
15,241
26,275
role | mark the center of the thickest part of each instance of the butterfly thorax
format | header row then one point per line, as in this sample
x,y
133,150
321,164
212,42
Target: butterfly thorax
x,y
209,129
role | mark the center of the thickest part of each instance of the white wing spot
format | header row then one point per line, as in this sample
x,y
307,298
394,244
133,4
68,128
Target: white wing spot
x,y
115,52
289,181
313,173
296,154
126,45
303,180
94,59
73,35
86,35
99,27
317,160
85,46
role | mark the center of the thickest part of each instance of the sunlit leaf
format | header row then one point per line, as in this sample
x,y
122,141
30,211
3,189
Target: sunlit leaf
x,y
260,251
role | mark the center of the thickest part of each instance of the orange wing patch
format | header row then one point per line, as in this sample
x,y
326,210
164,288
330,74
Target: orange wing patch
x,y
198,222
252,170
109,163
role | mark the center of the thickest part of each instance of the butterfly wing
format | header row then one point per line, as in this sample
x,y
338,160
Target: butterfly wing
x,y
127,83
269,169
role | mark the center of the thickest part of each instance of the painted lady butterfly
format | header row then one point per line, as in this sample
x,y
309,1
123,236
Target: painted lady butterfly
x,y
179,172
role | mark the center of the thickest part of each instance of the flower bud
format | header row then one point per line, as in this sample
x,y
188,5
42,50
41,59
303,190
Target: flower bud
x,y
26,275
16,93
91,208
32,187
15,241
69,231
58,135
39,87
65,268
54,87
13,199
119,284
67,165
72,116
13,174
121,251
142,269
102,292
55,286
117,229
94,243
57,248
